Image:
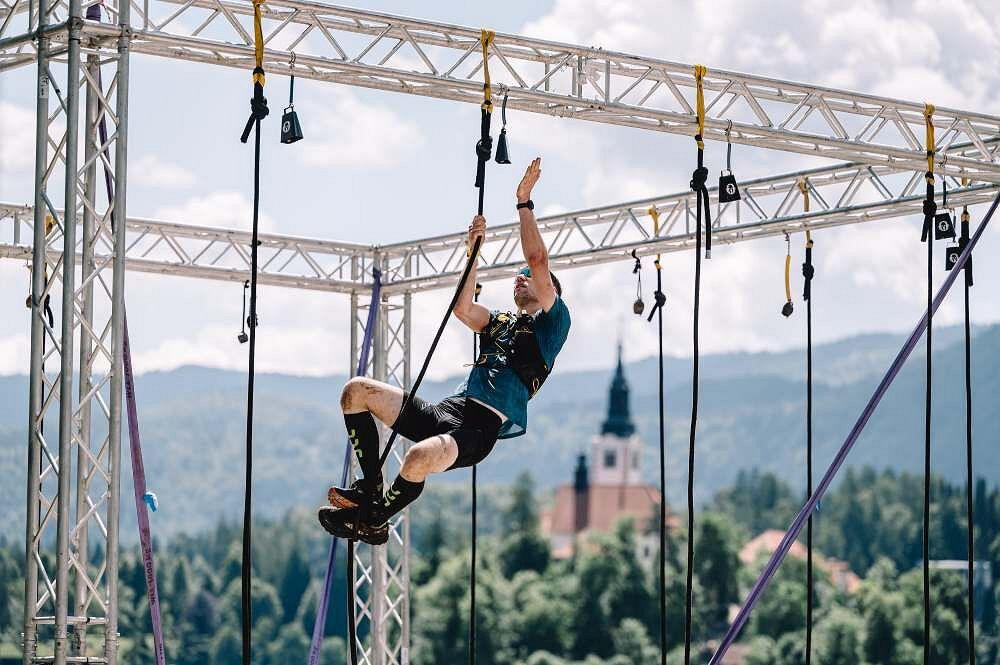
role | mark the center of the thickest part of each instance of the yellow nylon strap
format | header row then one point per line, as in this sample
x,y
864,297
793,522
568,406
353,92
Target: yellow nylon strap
x,y
931,145
258,40
788,269
485,39
50,223
803,185
655,214
699,74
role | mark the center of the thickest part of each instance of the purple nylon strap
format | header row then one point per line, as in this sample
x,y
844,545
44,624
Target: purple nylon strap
x,y
324,598
793,531
138,471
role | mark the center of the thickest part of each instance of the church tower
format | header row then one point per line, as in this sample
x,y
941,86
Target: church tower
x,y
616,454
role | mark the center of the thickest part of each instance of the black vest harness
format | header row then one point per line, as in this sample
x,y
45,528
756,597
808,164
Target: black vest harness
x,y
509,341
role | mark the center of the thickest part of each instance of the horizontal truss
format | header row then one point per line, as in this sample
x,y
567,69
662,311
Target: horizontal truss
x,y
381,51
840,195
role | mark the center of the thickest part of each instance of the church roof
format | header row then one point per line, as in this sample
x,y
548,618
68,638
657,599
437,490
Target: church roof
x,y
606,504
619,421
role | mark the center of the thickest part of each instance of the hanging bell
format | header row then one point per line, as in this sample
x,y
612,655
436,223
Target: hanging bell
x,y
787,310
503,157
951,256
944,227
291,130
638,306
728,190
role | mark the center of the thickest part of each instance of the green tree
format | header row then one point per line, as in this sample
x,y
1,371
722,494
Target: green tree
x,y
523,547
544,618
838,638
761,651
294,582
265,605
717,566
334,651
291,647
630,640
227,647
880,643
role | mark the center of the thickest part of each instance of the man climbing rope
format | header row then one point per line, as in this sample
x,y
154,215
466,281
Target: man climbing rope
x,y
517,351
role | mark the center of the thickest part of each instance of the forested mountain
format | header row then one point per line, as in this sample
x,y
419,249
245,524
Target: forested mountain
x,y
752,416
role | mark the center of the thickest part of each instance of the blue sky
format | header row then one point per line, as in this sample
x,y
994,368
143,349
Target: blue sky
x,y
378,167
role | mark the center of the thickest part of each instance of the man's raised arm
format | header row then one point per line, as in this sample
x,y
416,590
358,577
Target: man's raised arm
x,y
467,309
535,252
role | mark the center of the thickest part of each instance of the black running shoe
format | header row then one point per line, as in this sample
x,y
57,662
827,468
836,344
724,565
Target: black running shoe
x,y
341,523
353,496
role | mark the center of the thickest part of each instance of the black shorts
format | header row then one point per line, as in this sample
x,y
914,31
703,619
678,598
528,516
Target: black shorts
x,y
473,426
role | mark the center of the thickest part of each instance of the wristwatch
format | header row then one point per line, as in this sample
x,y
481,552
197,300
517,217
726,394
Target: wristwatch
x,y
529,204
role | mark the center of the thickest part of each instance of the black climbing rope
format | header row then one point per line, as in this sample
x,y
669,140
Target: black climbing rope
x,y
472,571
258,111
808,272
963,241
698,180
660,301
927,235
483,151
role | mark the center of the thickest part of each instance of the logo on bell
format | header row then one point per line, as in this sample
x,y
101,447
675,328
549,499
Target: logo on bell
x,y
943,226
730,189
285,126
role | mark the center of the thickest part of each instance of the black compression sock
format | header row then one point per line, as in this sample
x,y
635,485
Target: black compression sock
x,y
363,433
401,494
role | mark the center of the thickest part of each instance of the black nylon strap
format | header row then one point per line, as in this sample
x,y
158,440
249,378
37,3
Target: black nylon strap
x,y
930,209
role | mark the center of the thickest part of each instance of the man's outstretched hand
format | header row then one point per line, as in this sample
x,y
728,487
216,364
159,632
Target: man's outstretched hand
x,y
477,229
531,176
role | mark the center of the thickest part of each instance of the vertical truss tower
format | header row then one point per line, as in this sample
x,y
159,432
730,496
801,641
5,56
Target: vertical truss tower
x,y
77,314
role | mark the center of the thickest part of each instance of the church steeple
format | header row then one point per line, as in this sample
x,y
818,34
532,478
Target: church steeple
x,y
619,421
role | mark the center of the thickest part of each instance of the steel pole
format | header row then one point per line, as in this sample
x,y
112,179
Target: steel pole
x,y
66,423
32,538
78,536
118,332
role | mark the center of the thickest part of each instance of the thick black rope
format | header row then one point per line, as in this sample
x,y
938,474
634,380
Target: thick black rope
x,y
930,210
258,111
482,147
660,299
352,628
472,571
968,447
808,272
698,180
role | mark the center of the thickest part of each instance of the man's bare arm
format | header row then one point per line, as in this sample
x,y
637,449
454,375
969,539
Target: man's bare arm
x,y
532,244
467,310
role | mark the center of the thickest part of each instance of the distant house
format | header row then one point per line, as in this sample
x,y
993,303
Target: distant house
x,y
767,542
609,488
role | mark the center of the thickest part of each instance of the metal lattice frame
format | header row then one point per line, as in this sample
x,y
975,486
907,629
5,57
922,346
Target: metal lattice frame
x,y
372,50
382,577
73,478
841,194
386,52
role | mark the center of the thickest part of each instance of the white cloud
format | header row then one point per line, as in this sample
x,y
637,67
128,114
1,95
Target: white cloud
x,y
14,354
17,149
343,130
223,209
152,171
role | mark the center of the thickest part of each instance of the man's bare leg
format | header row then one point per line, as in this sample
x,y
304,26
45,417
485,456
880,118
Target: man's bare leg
x,y
363,400
432,455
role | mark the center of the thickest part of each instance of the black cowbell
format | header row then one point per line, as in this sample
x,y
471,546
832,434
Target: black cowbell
x,y
503,157
291,130
728,190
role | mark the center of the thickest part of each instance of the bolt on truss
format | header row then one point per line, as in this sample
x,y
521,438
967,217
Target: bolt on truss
x,y
382,574
72,521
386,52
842,194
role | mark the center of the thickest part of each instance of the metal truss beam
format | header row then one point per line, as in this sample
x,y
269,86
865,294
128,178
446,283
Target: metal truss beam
x,y
843,194
432,59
